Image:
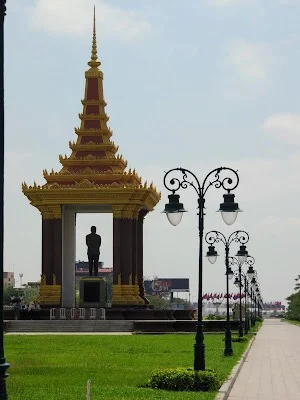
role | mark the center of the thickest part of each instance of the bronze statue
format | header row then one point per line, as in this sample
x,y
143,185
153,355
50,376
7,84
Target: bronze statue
x,y
93,242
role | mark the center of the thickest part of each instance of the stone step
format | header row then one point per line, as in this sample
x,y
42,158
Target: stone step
x,y
69,326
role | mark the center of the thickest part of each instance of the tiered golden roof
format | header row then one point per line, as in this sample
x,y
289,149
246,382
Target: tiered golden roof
x,y
94,173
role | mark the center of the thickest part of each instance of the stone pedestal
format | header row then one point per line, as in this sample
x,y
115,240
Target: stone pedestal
x,y
92,292
236,311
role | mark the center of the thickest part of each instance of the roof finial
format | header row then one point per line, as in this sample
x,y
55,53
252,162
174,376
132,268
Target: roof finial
x,y
94,62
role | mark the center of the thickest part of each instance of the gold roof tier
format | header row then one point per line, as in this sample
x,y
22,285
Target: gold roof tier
x,y
93,173
94,132
93,146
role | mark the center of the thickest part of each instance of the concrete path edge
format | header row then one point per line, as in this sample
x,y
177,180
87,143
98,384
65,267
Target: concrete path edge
x,y
225,389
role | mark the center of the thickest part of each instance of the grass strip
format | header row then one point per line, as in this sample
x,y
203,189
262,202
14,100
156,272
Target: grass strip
x,y
291,321
53,367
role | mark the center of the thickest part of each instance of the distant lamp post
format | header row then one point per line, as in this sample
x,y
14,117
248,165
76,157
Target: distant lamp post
x,y
256,295
3,365
259,304
211,238
252,274
239,274
182,179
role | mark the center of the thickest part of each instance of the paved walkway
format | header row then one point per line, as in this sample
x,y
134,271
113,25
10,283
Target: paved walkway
x,y
272,368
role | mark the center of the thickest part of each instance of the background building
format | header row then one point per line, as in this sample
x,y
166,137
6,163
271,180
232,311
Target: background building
x,y
166,285
82,270
9,279
165,288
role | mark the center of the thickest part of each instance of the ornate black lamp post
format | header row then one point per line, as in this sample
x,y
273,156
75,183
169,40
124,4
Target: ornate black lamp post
x,y
3,365
250,274
260,305
239,274
246,290
174,210
241,237
253,284
258,300
256,295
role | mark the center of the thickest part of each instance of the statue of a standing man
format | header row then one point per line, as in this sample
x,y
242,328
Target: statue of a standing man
x,y
93,242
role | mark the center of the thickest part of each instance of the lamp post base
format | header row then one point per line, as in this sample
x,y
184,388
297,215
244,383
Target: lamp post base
x,y
3,375
199,359
241,332
228,346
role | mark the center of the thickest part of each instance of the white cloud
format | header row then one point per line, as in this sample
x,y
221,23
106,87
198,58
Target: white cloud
x,y
285,126
217,3
250,60
63,18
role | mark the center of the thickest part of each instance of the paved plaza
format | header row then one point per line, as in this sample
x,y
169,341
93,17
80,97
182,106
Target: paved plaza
x,y
272,368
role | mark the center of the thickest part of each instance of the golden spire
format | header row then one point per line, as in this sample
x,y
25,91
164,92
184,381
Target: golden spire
x,y
94,62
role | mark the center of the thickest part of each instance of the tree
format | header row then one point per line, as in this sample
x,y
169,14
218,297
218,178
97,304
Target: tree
x,y
297,285
293,310
162,301
26,293
8,292
30,294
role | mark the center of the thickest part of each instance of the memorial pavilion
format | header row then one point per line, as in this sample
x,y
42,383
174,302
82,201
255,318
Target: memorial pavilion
x,y
93,179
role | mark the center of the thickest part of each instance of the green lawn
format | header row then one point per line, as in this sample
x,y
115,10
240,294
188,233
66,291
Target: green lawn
x,y
50,367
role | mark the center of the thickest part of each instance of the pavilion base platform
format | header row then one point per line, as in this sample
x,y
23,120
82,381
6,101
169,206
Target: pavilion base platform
x,y
111,313
133,326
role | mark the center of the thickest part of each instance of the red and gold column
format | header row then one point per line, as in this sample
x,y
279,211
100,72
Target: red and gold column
x,y
51,255
125,286
47,249
140,255
117,255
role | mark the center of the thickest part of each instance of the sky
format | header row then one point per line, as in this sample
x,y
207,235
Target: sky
x,y
196,84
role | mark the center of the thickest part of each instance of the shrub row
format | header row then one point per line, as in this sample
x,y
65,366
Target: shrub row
x,y
182,379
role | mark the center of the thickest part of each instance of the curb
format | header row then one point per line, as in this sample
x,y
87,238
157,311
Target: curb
x,y
225,389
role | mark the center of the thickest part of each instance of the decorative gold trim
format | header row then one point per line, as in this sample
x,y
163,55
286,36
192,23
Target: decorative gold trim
x,y
92,117
92,146
88,161
94,62
117,295
136,294
50,197
49,294
117,213
94,102
130,211
92,176
128,295
106,133
43,280
51,211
